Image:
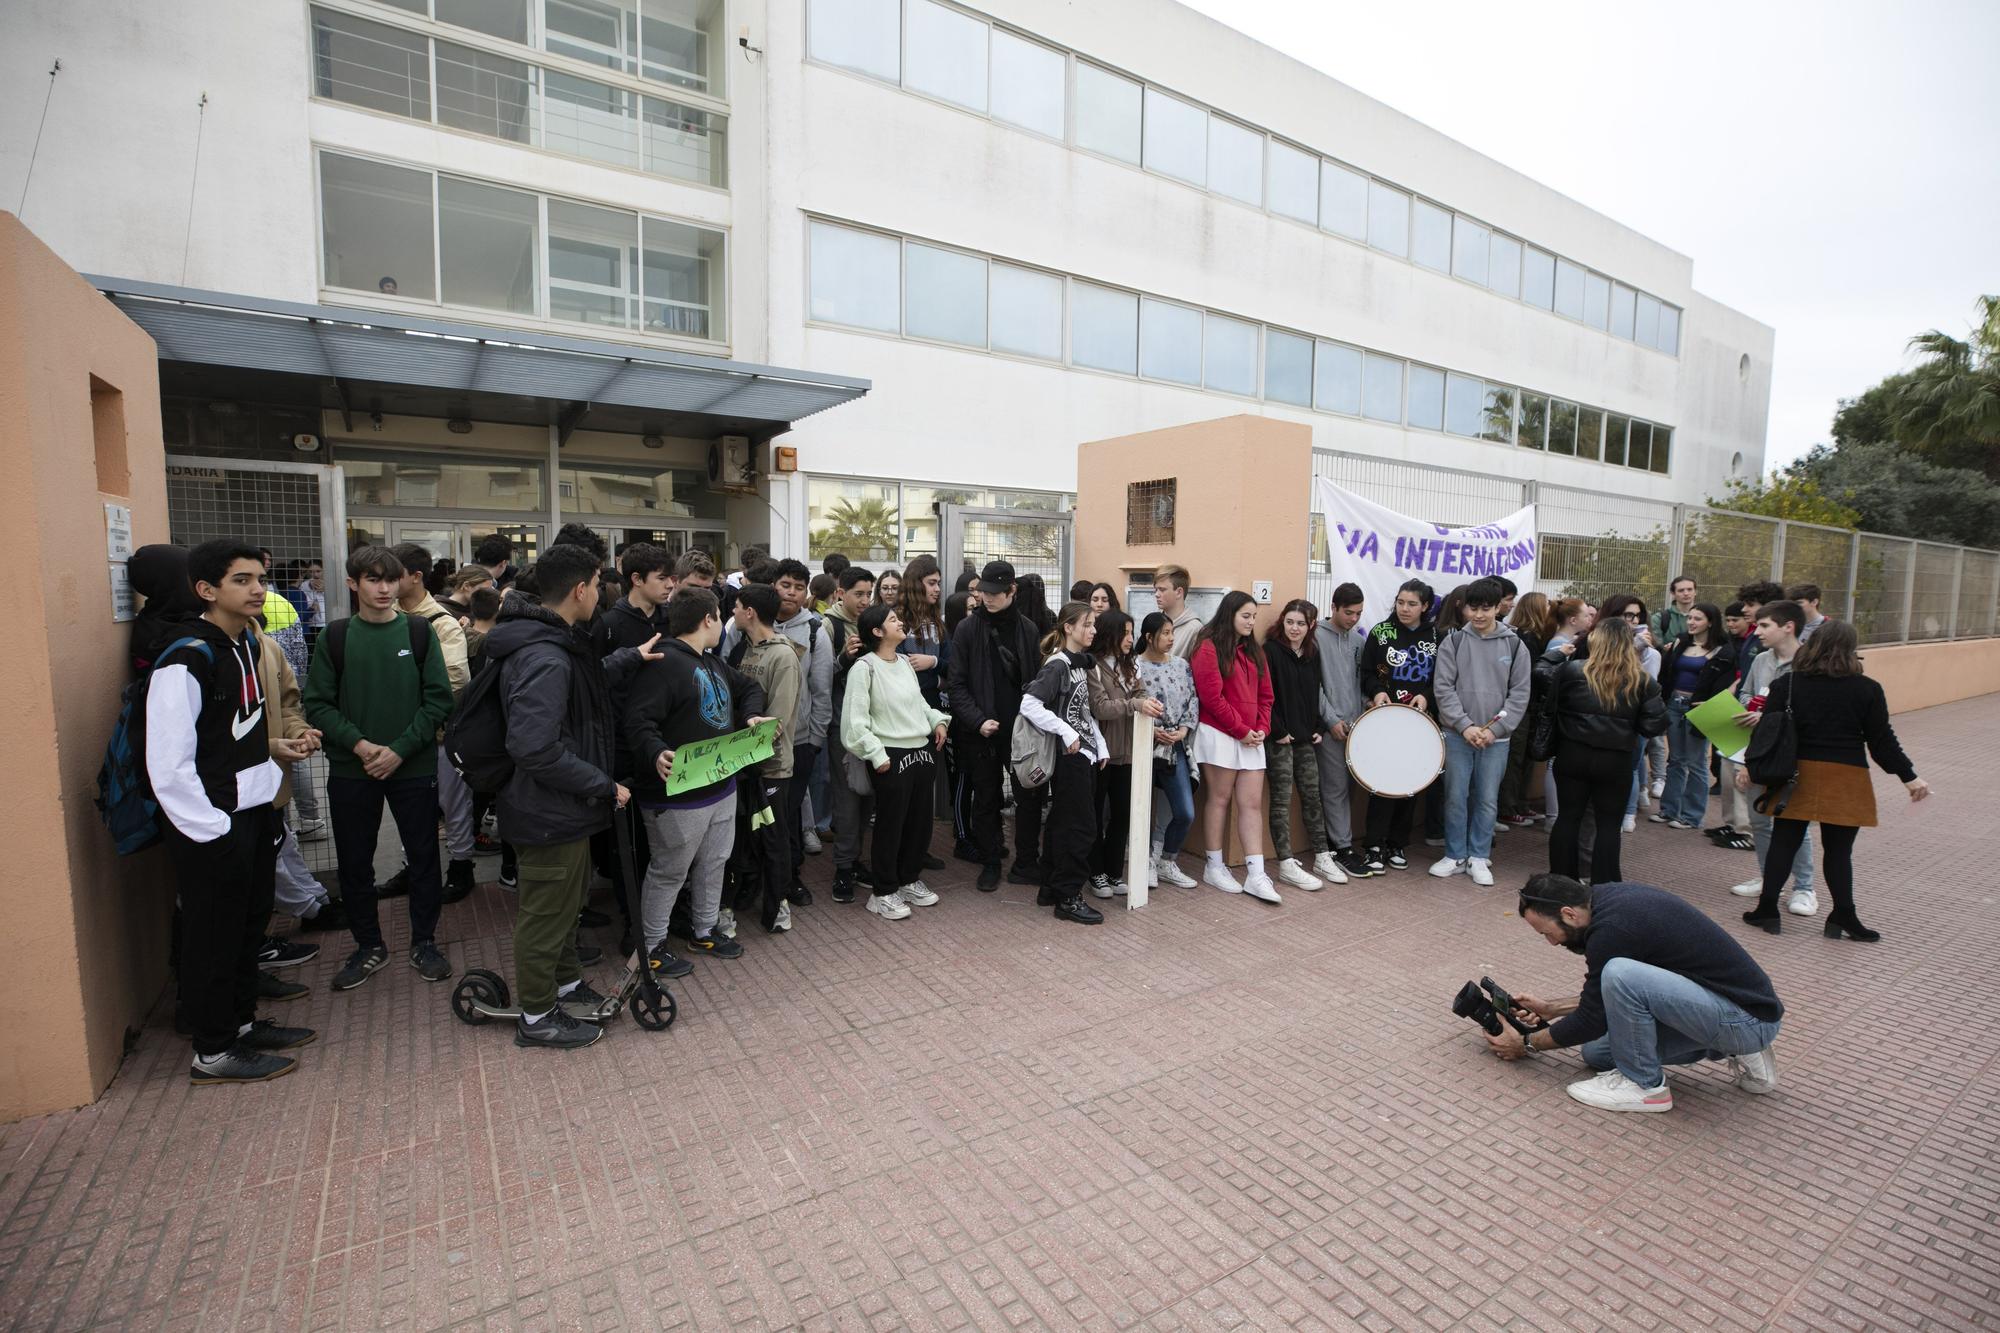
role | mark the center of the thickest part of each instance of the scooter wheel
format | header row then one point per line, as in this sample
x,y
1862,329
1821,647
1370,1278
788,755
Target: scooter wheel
x,y
477,990
653,1008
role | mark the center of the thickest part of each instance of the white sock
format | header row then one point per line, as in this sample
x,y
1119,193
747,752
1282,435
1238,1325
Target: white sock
x,y
1255,864
536,1018
201,1059
564,990
1215,860
243,1031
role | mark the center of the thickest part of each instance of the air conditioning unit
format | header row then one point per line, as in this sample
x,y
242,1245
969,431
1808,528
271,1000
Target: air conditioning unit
x,y
732,468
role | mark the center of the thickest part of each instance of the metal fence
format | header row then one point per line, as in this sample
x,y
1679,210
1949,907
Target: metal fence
x,y
1595,543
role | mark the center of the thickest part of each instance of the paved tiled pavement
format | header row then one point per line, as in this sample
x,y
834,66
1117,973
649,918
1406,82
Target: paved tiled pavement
x,y
1207,1114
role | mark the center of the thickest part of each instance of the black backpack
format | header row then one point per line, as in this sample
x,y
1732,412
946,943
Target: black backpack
x,y
421,636
475,736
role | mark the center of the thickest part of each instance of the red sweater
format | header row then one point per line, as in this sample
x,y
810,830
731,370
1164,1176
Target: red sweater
x,y
1237,706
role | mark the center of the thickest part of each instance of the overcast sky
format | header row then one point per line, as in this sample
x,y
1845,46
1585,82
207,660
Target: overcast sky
x,y
1832,168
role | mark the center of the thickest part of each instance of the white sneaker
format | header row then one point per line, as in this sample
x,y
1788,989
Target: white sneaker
x,y
1260,887
1153,873
1803,902
784,921
889,906
918,894
1499,827
312,830
1447,866
1171,873
1659,788
1749,888
1481,871
812,842
1629,824
725,923
1294,874
1612,1091
1220,878
1755,1073
1100,886
1328,868
1118,889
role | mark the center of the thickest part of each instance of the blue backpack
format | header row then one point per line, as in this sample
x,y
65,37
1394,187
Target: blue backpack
x,y
124,794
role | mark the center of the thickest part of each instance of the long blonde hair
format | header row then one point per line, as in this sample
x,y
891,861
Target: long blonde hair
x,y
1614,672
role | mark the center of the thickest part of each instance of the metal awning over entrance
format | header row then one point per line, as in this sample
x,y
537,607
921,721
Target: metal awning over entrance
x,y
367,361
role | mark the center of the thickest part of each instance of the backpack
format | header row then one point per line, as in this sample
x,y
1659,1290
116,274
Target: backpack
x,y
124,792
475,735
421,635
1032,752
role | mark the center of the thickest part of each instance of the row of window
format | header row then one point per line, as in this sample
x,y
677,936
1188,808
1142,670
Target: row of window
x,y
668,41
383,68
873,522
890,284
956,57
428,236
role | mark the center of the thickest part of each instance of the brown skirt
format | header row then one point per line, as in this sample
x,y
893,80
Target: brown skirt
x,y
1833,794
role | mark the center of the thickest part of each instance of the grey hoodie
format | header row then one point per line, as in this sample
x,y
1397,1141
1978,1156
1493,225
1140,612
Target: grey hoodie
x,y
1339,674
1482,680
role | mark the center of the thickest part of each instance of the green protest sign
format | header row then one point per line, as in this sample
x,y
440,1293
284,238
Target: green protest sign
x,y
700,763
1715,718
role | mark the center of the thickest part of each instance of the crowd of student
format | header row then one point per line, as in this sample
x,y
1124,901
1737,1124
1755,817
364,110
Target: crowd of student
x,y
555,696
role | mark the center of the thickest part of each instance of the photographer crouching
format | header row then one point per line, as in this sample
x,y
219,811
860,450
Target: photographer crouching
x,y
1665,986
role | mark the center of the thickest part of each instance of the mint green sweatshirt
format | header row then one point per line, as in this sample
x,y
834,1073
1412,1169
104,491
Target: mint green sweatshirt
x,y
885,710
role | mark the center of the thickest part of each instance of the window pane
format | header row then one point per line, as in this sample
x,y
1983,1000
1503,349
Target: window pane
x,y
862,35
1538,278
1621,310
1562,428
1337,379
1027,84
483,93
1294,183
944,295
680,141
589,119
1503,271
515,487
1596,300
856,518
1646,324
677,43
1107,113
1430,236
1103,328
1534,424
1464,403
1288,367
1343,201
1639,453
371,65
946,54
1388,218
603,32
1235,161
375,225
1169,342
856,278
1176,138
1426,397
1469,244
1496,415
1382,388
592,277
1229,355
1569,289
1663,443
487,245
1669,340
505,19
1589,431
682,279
1027,312
1614,438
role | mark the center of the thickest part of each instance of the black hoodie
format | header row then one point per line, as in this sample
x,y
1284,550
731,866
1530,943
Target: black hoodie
x,y
685,696
207,739
160,575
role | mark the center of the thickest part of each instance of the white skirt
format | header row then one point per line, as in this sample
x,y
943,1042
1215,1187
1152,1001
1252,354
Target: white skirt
x,y
1213,746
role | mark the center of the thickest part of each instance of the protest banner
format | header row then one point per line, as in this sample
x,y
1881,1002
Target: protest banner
x,y
700,763
1379,549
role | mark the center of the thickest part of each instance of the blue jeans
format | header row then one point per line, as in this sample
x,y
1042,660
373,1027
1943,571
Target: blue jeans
x,y
1686,797
1638,781
816,793
1657,1017
1179,789
1471,796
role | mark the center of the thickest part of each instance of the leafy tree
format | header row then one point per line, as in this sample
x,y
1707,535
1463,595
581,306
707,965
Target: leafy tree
x,y
863,528
1948,407
1788,495
1903,494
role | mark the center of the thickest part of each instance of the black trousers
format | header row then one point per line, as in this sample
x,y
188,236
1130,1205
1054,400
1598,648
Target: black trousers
x,y
803,759
1390,818
1114,820
356,804
760,865
226,889
1836,863
982,758
1595,783
1072,825
904,798
1031,812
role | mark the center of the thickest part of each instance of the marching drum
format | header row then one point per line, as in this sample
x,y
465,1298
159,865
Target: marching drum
x,y
1395,750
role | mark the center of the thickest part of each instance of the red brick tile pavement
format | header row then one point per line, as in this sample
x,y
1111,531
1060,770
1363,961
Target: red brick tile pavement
x,y
1211,1114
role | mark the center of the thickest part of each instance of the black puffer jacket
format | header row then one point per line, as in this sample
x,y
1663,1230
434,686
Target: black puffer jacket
x,y
1583,719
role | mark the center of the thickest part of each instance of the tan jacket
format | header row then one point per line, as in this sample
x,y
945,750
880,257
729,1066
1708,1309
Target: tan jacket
x,y
451,638
283,716
774,664
1113,703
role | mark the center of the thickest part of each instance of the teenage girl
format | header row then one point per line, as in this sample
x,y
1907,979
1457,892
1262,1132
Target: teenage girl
x,y
1057,701
888,724
1694,668
1116,695
1291,752
1168,678
1233,682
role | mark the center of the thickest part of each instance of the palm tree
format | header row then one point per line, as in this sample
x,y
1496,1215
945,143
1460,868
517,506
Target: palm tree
x,y
1949,404
861,529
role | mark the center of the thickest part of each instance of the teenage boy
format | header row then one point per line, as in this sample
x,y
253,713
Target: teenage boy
x,y
496,552
555,693
209,761
378,692
297,892
1778,626
1481,685
1671,621
1753,596
764,843
694,570
634,620
690,694
808,731
994,654
1807,595
1340,641
1170,590
454,797
1510,591
852,810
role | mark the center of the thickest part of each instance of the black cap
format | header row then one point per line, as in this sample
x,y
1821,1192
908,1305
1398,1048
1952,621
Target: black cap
x,y
998,576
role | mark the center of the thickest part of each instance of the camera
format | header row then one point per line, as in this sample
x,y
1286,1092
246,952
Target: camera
x,y
1486,1004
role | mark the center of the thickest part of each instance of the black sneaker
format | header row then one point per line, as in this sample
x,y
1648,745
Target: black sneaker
x,y
593,918
863,875
239,1064
556,1029
587,954
1376,865
1048,897
265,1035
510,867
271,986
582,1003
965,851
666,963
275,952
989,877
1355,863
430,964
800,896
717,945
1077,910
398,885
1397,861
458,881
843,884
360,965
1022,873
933,862
333,916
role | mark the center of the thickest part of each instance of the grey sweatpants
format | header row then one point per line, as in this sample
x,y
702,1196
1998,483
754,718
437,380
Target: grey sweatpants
x,y
850,809
1335,803
698,838
296,891
455,807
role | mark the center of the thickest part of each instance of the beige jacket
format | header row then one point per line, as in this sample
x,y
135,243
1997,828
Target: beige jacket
x,y
283,716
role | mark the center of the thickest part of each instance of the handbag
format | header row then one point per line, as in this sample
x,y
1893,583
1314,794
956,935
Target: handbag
x,y
1772,757
1542,727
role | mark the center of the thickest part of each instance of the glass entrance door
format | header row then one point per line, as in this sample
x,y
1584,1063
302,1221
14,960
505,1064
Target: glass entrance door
x,y
1033,541
445,539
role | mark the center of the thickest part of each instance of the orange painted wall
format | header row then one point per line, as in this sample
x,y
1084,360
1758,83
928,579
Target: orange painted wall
x,y
1920,675
84,953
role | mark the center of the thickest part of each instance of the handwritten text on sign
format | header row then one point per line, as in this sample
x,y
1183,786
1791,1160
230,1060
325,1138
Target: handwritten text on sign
x,y
703,763
1378,548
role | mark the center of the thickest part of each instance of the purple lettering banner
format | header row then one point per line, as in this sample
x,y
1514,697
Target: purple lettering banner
x,y
1380,549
